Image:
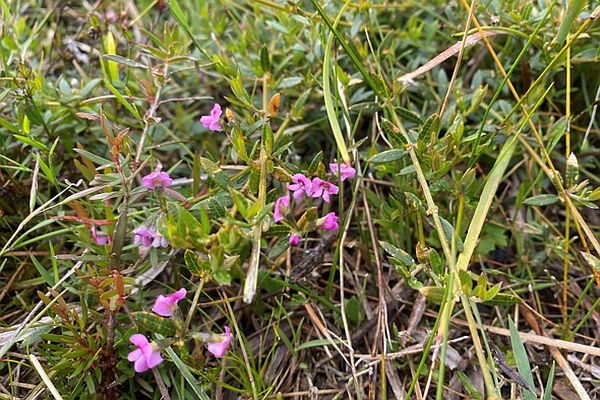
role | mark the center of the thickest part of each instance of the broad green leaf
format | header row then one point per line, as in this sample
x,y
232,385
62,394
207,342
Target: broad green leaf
x,y
541,200
388,156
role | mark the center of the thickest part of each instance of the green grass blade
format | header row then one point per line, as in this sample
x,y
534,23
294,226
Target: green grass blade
x,y
489,191
549,383
378,88
198,390
501,86
522,360
328,98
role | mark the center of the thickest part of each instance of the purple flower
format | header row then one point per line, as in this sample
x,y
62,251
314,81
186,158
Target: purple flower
x,y
330,222
219,343
294,239
157,179
165,305
212,121
345,172
323,188
100,238
300,186
146,356
281,207
149,237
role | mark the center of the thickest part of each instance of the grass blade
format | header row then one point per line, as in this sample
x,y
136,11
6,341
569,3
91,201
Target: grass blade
x,y
522,360
328,98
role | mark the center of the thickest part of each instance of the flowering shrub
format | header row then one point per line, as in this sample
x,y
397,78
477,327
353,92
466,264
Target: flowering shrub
x,y
281,167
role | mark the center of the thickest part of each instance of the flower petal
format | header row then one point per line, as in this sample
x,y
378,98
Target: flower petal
x,y
139,340
134,355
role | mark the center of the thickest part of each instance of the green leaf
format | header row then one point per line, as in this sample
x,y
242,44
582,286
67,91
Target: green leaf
x,y
399,254
150,322
222,277
408,115
265,61
129,106
522,360
503,300
185,371
466,283
194,264
124,61
541,200
592,260
431,125
354,57
403,271
388,156
393,132
113,68
332,116
436,262
289,82
433,293
549,383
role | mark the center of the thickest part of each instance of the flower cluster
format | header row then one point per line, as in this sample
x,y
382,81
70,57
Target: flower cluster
x,y
149,237
147,354
316,188
145,236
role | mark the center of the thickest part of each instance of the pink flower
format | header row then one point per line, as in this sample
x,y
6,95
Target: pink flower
x,y
294,239
218,344
146,355
100,238
300,186
157,179
281,207
330,222
345,172
323,188
165,305
149,237
212,121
